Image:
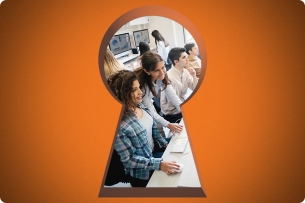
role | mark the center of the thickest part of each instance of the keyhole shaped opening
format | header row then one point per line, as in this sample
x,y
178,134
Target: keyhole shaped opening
x,y
178,31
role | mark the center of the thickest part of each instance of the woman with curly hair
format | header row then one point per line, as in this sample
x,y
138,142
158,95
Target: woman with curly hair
x,y
138,141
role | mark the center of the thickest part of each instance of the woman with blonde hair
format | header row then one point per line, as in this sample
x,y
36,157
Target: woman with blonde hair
x,y
111,64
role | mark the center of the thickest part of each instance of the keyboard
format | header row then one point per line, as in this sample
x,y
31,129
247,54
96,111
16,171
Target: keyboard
x,y
180,141
179,144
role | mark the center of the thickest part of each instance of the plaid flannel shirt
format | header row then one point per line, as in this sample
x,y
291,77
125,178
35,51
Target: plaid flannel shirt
x,y
133,147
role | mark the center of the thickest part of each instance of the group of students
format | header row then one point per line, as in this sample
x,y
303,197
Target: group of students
x,y
139,143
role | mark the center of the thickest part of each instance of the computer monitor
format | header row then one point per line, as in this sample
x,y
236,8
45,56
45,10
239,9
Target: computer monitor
x,y
120,43
141,36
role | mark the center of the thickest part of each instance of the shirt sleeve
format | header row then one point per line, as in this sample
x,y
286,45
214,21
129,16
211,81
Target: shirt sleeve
x,y
161,50
191,81
157,136
172,96
156,117
129,158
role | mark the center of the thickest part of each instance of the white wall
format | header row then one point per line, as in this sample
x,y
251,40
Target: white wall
x,y
178,29
170,29
164,26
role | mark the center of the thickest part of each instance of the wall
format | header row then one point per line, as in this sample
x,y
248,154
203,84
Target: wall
x,y
170,29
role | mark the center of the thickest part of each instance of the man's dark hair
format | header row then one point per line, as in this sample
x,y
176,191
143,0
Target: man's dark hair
x,y
188,47
175,53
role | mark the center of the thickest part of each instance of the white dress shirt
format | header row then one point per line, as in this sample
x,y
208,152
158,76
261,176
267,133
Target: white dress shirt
x,y
162,50
181,81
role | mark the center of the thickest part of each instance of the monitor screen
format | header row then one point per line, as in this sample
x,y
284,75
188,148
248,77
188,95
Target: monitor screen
x,y
141,36
120,43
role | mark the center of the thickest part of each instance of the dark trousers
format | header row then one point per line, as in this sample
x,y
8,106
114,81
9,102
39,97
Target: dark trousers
x,y
157,153
136,182
173,118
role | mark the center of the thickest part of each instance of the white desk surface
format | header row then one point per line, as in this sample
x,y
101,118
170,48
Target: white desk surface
x,y
187,178
130,57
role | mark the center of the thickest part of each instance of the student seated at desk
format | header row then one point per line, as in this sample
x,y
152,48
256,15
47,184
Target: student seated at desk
x,y
111,64
181,79
138,139
153,78
194,61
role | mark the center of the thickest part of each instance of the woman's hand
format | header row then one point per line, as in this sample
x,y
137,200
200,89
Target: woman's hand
x,y
169,166
175,128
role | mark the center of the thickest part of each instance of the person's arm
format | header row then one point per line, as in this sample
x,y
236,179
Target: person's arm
x,y
192,79
172,96
156,117
161,50
157,137
129,158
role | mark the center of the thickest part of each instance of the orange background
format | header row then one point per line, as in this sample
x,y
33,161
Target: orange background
x,y
246,121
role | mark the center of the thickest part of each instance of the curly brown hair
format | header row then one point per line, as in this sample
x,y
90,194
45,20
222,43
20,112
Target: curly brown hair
x,y
121,84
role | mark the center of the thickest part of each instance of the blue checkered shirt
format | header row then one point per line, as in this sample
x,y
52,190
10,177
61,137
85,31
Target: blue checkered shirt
x,y
133,147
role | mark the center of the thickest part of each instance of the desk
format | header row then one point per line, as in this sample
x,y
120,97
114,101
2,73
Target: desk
x,y
127,58
187,178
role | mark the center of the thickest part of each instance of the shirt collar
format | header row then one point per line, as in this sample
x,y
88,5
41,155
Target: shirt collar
x,y
177,71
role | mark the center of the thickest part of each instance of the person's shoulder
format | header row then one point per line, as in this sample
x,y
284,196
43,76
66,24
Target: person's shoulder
x,y
197,58
142,106
124,123
127,123
173,72
146,89
159,83
170,71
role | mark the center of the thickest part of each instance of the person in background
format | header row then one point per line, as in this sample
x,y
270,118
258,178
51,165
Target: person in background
x,y
162,46
138,137
194,61
152,77
181,79
111,64
143,47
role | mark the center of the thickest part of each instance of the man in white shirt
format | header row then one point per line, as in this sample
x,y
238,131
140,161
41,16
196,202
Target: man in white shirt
x,y
181,79
194,62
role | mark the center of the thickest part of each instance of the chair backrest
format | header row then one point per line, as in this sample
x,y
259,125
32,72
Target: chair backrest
x,y
116,171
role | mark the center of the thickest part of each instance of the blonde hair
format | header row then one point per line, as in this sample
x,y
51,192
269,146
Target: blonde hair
x,y
111,64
